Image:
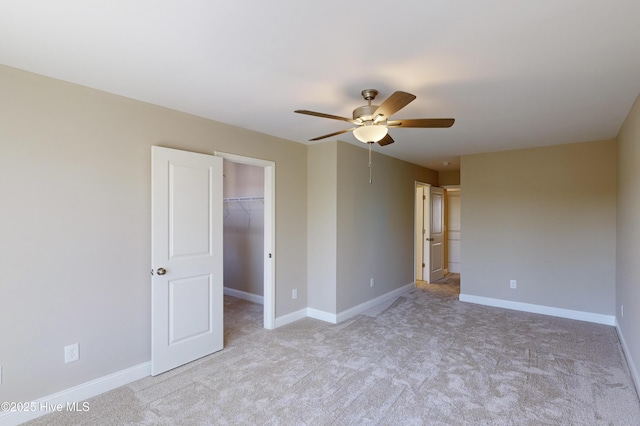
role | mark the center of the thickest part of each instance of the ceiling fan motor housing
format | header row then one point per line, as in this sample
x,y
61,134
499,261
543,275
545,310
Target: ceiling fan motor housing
x,y
365,113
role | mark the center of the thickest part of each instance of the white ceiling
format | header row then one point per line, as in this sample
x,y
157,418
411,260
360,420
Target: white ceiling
x,y
513,74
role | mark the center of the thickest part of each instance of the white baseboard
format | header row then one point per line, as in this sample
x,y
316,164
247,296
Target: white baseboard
x,y
344,315
255,298
632,366
322,315
289,318
540,309
304,313
78,393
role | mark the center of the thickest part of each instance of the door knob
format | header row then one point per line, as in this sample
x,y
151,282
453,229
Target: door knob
x,y
161,271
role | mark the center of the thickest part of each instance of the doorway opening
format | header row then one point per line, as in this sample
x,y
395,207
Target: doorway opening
x,y
249,223
454,231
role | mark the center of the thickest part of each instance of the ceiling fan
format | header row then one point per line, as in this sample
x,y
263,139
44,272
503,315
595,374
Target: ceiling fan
x,y
372,122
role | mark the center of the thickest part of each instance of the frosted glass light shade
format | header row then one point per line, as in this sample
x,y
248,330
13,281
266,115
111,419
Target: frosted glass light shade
x,y
370,133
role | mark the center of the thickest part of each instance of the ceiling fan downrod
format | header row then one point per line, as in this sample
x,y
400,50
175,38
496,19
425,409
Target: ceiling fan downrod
x,y
370,179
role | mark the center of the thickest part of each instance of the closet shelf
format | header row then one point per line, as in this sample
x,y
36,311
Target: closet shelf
x,y
246,204
226,200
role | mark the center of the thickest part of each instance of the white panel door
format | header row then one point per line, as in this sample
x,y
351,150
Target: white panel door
x,y
436,267
186,257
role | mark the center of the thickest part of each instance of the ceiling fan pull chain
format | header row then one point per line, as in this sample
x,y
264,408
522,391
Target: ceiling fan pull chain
x,y
370,180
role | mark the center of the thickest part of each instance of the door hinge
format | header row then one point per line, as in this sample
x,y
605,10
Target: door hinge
x,y
423,265
424,197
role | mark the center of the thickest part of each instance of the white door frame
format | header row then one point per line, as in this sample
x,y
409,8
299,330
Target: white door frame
x,y
418,236
269,231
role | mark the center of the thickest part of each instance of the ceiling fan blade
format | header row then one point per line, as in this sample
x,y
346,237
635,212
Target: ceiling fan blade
x,y
392,104
323,115
387,140
332,134
422,122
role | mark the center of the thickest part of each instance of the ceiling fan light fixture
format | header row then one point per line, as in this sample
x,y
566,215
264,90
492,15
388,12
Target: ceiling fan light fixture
x,y
370,133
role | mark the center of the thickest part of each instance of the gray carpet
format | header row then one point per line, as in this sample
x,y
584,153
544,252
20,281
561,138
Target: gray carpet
x,y
425,358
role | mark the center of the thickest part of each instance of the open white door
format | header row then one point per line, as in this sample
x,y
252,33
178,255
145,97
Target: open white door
x,y
436,269
422,233
186,257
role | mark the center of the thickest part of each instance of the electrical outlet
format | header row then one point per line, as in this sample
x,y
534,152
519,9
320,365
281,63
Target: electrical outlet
x,y
71,353
372,282
294,293
513,284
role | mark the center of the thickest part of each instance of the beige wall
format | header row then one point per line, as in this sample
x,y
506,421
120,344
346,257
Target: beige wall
x,y
75,225
356,230
628,233
545,217
375,225
449,177
243,180
322,229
